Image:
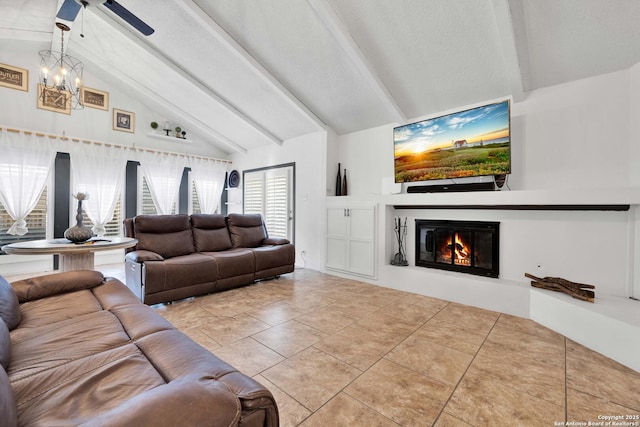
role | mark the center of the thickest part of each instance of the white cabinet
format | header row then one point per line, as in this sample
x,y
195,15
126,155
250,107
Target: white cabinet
x,y
351,239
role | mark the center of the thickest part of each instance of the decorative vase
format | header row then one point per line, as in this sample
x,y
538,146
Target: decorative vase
x,y
78,233
344,184
338,183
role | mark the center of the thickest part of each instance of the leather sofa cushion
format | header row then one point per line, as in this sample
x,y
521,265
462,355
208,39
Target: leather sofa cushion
x,y
5,345
234,262
69,340
246,230
9,305
47,311
8,416
56,283
179,272
100,382
210,233
167,235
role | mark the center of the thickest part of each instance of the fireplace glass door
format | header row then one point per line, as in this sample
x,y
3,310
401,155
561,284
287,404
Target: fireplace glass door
x,y
463,246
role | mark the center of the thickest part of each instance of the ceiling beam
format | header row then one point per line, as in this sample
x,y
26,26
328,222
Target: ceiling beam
x,y
513,67
208,23
339,31
141,42
122,77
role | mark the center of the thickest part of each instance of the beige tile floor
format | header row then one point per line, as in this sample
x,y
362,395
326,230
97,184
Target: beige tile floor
x,y
338,352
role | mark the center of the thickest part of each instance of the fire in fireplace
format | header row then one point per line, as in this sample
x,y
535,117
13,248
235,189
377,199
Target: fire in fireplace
x,y
463,246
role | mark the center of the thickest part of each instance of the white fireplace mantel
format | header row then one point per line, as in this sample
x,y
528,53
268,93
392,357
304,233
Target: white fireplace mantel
x,y
517,199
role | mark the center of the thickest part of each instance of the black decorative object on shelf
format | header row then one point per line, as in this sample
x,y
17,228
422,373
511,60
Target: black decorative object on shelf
x,y
400,227
344,184
338,183
234,179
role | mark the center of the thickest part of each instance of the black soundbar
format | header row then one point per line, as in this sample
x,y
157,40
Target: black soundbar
x,y
452,188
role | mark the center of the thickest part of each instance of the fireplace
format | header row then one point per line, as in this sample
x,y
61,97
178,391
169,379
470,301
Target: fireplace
x,y
462,246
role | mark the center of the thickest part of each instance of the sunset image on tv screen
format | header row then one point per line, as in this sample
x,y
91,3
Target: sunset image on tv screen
x,y
473,142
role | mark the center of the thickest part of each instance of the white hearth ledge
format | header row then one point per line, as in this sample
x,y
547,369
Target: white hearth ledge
x,y
610,325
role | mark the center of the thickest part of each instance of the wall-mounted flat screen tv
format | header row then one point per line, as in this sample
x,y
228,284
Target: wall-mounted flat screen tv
x,y
468,143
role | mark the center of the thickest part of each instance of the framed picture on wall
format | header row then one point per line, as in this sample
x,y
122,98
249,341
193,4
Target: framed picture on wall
x,y
94,98
14,77
124,121
58,101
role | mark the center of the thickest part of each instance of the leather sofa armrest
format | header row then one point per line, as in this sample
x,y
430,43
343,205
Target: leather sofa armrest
x,y
270,241
142,255
52,284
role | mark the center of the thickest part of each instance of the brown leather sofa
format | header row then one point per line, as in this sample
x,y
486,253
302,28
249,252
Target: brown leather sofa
x,y
79,349
179,256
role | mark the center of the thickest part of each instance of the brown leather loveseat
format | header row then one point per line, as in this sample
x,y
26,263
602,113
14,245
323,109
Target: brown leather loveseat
x,y
179,256
79,349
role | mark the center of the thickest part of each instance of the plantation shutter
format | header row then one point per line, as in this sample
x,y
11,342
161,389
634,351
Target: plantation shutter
x,y
268,192
277,204
148,208
254,193
195,202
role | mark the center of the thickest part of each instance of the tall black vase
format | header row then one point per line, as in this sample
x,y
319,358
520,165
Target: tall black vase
x,y
338,183
344,183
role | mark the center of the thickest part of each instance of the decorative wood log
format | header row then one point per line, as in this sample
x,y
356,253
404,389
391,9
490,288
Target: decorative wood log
x,y
576,290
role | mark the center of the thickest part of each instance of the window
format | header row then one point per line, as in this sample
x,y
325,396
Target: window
x,y
270,192
148,208
195,202
36,222
113,227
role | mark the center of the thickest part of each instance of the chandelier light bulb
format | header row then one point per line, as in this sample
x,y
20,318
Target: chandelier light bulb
x,y
65,70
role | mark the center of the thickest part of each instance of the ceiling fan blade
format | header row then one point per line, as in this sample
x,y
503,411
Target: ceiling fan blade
x,y
69,10
123,13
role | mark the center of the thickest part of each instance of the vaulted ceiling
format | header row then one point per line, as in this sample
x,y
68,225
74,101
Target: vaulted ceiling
x,y
245,73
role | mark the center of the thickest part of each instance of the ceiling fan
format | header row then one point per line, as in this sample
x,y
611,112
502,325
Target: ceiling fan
x,y
70,8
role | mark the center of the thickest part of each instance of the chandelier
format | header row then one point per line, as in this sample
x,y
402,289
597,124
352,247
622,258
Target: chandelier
x,y
61,74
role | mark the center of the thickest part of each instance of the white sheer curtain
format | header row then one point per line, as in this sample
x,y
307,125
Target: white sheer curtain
x,y
25,162
99,171
163,173
208,177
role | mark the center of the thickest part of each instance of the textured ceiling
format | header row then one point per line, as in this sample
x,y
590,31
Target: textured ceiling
x,y
246,73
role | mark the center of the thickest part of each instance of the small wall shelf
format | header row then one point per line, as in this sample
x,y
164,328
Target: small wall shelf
x,y
168,138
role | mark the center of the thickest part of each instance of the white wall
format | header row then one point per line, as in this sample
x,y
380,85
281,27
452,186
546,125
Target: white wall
x,y
309,153
19,109
575,135
634,125
368,157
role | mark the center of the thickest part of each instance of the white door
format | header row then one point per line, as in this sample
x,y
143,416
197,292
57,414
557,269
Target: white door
x,y
337,235
270,192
